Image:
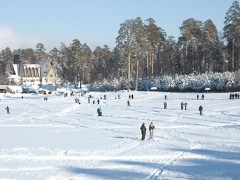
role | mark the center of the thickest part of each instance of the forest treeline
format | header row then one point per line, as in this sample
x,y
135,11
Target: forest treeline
x,y
142,50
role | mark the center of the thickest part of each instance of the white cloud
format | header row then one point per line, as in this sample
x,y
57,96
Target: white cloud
x,y
14,40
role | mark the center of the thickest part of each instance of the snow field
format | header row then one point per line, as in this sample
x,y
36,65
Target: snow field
x,y
60,139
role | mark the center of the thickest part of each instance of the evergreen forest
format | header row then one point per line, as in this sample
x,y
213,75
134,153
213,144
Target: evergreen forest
x,y
143,51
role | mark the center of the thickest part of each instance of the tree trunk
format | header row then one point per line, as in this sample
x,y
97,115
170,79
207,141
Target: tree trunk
x,y
147,64
129,68
233,54
137,77
152,62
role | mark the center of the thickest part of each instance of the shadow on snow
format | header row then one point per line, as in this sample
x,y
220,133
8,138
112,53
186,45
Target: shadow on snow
x,y
106,173
218,164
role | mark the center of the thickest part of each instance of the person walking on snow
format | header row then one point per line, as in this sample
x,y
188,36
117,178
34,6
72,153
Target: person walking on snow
x,y
182,105
151,128
165,97
7,108
143,131
200,109
185,105
165,105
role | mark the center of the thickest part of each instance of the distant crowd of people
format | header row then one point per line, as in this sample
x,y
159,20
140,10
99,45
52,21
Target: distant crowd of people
x,y
234,96
183,105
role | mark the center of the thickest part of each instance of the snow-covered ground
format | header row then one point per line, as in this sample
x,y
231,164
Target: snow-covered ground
x,y
59,139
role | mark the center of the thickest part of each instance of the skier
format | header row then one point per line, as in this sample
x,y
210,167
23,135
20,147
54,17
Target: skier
x,y
197,97
7,108
151,128
200,109
202,97
128,103
143,131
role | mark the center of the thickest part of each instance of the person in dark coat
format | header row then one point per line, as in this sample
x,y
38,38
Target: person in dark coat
x,y
165,105
200,109
128,103
7,108
185,105
99,111
143,131
182,105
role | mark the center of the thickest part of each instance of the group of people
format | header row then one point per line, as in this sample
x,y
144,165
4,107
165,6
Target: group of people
x,y
130,96
234,96
144,130
183,104
201,97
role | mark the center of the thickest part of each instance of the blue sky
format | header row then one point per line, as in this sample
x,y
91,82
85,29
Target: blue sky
x,y
24,23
